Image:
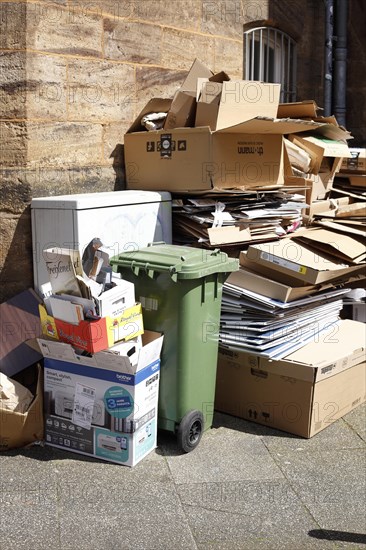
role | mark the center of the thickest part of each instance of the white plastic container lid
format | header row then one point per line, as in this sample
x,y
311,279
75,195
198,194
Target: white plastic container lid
x,y
99,200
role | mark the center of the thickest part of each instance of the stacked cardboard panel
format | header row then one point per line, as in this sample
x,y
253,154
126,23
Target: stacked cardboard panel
x,y
285,354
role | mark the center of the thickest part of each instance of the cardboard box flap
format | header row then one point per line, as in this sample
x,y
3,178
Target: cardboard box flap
x,y
245,278
104,359
243,100
298,109
182,111
344,339
347,246
155,105
288,251
264,125
220,77
197,70
331,147
334,132
210,92
150,351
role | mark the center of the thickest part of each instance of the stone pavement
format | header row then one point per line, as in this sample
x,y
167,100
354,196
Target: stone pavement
x,y
244,487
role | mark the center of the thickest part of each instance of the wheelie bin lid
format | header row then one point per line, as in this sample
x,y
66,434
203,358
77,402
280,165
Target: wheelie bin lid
x,y
182,262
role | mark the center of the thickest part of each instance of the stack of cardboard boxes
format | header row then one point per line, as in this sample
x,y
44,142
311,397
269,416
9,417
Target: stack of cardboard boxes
x,y
313,384
222,137
229,134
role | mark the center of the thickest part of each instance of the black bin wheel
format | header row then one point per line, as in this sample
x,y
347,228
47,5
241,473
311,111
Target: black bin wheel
x,y
190,431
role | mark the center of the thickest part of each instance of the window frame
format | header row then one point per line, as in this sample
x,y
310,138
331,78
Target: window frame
x,y
257,59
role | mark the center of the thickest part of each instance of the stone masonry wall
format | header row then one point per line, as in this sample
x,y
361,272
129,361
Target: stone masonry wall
x,y
74,74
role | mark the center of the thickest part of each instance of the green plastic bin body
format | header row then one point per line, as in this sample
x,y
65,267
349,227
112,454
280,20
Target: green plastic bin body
x,y
180,289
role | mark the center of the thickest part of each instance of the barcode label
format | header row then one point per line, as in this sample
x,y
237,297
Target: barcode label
x,y
88,391
283,263
149,304
82,414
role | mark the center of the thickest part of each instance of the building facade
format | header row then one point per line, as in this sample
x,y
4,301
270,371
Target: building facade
x,y
74,74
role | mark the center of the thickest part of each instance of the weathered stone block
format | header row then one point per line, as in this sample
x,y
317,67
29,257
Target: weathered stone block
x,y
13,17
185,16
56,29
65,144
101,91
15,190
131,41
13,85
180,48
13,139
69,180
16,244
154,82
229,57
32,86
113,140
226,17
115,8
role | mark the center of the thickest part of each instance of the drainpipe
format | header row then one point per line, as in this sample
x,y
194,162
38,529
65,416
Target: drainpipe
x,y
328,57
340,62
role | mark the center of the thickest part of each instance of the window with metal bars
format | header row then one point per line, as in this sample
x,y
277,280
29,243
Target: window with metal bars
x,y
270,56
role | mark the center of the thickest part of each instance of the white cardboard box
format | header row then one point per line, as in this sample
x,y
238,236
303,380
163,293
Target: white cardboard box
x,y
105,405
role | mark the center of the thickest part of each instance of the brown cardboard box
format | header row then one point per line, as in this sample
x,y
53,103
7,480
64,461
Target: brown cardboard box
x,y
182,111
301,394
356,162
299,261
18,429
244,151
281,291
298,109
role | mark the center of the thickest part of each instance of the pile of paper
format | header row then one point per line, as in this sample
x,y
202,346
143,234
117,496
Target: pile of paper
x,y
229,218
84,288
272,328
289,291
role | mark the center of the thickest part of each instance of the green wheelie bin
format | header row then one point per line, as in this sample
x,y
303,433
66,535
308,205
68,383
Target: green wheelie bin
x,y
180,289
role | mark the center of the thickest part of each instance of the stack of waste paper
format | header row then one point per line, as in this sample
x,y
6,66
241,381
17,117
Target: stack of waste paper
x,y
287,292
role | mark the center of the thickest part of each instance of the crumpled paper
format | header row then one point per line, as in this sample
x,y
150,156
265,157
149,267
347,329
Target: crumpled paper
x,y
13,396
153,121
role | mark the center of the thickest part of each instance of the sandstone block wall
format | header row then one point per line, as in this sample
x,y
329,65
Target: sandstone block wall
x,y
74,74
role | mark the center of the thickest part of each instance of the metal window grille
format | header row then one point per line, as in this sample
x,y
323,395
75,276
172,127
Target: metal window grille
x,y
270,56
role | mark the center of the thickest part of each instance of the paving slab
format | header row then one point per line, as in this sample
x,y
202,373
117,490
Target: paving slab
x,y
28,501
356,420
222,455
331,484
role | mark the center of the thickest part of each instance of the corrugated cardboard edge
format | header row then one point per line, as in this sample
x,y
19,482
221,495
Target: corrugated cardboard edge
x,y
22,429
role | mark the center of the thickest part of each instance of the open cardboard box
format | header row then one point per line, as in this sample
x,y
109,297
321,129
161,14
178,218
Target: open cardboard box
x,y
105,405
245,150
182,111
94,335
18,429
301,394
